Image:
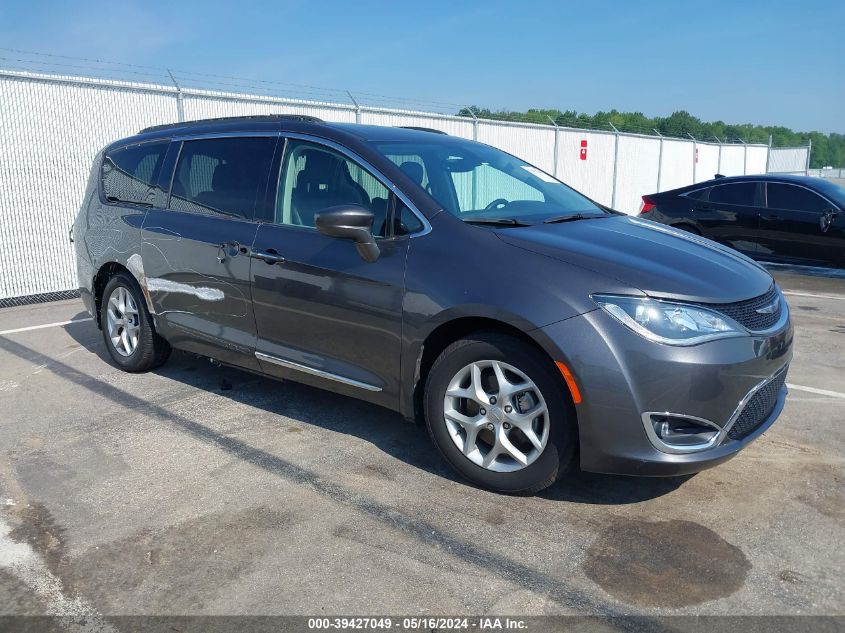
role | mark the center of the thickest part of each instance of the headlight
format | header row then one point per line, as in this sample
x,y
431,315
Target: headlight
x,y
668,322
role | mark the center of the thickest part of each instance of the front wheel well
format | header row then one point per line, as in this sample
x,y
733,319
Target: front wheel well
x,y
447,333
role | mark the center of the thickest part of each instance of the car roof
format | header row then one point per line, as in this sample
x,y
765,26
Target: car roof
x,y
339,132
807,181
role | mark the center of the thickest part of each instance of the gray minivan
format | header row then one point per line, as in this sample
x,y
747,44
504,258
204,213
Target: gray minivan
x,y
529,327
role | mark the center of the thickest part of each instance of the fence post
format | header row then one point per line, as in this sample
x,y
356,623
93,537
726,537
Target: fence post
x,y
719,165
694,158
659,159
180,106
615,162
809,151
554,173
769,154
357,108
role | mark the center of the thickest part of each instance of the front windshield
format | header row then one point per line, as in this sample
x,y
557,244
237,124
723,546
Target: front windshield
x,y
477,182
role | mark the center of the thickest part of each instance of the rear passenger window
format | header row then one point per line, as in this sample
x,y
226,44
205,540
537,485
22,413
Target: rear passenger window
x,y
130,173
782,196
737,193
222,176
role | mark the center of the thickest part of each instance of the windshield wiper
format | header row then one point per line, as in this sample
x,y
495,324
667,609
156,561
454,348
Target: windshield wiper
x,y
499,221
117,200
572,217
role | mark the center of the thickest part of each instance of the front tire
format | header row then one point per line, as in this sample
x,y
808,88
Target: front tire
x,y
498,412
128,326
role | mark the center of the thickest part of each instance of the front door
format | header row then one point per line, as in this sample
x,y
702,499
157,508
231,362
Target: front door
x,y
792,226
196,252
324,315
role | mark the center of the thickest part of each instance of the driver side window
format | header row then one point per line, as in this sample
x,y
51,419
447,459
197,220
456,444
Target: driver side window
x,y
315,177
483,185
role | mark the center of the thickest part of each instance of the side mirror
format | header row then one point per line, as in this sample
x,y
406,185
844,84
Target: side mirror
x,y
350,222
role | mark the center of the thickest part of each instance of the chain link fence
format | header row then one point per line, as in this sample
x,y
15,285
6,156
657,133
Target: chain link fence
x,y
52,126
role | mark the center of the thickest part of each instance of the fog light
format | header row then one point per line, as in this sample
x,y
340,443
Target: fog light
x,y
674,433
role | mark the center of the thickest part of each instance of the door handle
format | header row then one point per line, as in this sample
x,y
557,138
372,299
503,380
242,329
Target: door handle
x,y
270,256
227,249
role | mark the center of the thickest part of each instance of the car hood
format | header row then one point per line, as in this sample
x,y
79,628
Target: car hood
x,y
654,258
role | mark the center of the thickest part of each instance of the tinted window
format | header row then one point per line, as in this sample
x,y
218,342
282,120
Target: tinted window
x,y
737,193
225,176
698,194
314,177
129,173
781,196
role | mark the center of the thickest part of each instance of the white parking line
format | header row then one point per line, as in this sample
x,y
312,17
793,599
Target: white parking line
x,y
820,392
46,325
810,294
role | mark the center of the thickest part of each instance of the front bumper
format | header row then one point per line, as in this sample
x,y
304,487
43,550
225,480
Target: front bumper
x,y
622,376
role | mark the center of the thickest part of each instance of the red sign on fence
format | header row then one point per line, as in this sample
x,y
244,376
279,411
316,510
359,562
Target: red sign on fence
x,y
584,150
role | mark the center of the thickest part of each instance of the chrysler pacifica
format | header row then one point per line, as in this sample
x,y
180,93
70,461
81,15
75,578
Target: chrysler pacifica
x,y
530,328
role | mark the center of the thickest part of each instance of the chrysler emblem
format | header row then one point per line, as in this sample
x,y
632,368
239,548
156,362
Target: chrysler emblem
x,y
769,309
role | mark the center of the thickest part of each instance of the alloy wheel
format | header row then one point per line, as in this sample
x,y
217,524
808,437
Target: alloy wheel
x,y
123,321
496,416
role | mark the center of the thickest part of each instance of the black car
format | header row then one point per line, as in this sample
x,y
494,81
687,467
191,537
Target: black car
x,y
777,218
441,278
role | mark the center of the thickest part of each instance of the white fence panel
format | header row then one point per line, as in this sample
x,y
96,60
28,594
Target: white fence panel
x,y
788,159
676,166
593,176
49,135
733,160
533,144
755,159
708,161
52,126
636,171
451,125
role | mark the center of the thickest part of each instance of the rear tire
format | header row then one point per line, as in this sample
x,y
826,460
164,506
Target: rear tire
x,y
518,381
127,326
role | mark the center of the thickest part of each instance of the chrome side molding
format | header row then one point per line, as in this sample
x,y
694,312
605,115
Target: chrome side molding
x,y
315,372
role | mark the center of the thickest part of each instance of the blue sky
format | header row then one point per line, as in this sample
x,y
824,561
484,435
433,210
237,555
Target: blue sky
x,y
774,62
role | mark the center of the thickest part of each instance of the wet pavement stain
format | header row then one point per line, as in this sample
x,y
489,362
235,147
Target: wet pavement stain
x,y
665,563
39,529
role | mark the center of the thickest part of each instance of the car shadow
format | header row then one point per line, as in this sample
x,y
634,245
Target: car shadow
x,y
381,427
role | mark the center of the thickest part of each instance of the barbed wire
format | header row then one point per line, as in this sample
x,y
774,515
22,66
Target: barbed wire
x,y
40,62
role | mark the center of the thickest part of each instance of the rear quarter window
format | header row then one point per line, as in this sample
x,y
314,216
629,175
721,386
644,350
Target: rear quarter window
x,y
129,173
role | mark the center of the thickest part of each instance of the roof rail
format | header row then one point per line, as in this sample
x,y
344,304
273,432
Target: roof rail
x,y
304,118
422,129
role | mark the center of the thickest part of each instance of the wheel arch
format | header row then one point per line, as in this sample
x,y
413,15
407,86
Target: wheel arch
x,y
447,332
133,266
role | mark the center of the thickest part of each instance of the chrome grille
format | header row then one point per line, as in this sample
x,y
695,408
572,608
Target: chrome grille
x,y
745,312
759,408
